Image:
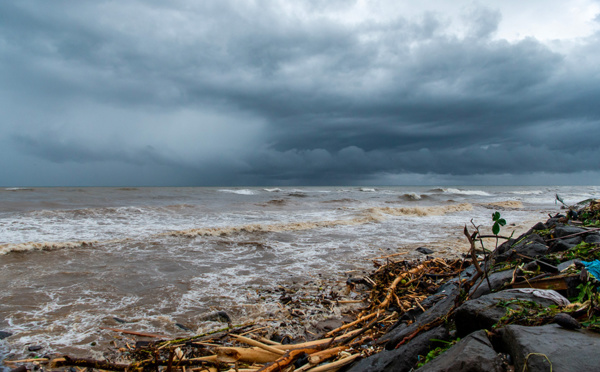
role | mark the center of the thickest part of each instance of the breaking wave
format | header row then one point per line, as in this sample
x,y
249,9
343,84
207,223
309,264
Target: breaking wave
x,y
508,204
43,246
239,192
461,192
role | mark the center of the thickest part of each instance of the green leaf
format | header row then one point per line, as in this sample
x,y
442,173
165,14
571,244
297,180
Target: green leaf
x,y
502,222
495,216
496,228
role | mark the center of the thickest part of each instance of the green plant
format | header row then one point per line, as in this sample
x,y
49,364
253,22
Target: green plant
x,y
498,221
434,353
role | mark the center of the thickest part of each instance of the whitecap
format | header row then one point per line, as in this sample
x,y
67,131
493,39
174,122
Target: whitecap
x,y
239,192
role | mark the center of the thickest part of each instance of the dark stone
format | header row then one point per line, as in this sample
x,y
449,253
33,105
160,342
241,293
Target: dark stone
x,y
565,230
529,244
424,250
404,358
4,335
440,309
564,265
539,226
569,351
474,353
484,312
35,348
562,245
566,321
497,280
592,238
20,368
119,320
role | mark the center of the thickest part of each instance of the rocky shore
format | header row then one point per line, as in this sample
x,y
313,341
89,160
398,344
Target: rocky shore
x,y
530,303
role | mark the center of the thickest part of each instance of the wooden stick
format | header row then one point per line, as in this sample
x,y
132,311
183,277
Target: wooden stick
x,y
359,320
287,359
90,363
316,343
142,334
268,342
398,279
320,356
252,342
335,365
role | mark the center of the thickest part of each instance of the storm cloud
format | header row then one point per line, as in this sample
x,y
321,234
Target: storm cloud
x,y
281,93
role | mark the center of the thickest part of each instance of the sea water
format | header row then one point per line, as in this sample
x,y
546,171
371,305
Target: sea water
x,y
74,259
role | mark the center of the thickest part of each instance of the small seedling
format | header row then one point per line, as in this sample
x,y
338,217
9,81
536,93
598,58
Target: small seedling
x,y
497,223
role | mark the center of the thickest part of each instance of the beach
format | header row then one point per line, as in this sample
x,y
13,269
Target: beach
x,y
77,259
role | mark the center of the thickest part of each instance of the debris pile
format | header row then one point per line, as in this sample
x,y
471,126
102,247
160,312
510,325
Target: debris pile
x,y
501,309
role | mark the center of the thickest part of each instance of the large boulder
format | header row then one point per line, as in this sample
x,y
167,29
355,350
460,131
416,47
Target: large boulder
x,y
496,281
474,353
537,347
484,312
404,358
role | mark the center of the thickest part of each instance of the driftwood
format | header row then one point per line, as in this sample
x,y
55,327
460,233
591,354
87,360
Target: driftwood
x,y
244,354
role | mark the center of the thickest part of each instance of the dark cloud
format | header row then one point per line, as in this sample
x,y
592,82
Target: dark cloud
x,y
268,92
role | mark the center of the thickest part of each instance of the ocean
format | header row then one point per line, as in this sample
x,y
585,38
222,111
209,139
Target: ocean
x,y
74,259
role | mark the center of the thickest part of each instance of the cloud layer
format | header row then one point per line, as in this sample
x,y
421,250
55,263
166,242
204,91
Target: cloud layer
x,y
263,92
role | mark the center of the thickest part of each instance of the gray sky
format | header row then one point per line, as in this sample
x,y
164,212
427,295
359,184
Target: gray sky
x,y
299,92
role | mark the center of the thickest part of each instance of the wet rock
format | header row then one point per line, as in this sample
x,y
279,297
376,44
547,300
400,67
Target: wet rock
x,y
119,320
592,238
562,245
405,357
440,309
20,368
424,250
484,312
564,265
4,335
182,326
566,230
531,245
496,280
566,321
35,348
569,351
539,226
474,353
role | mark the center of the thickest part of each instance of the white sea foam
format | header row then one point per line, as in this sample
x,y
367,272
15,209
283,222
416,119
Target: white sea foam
x,y
239,192
273,190
465,192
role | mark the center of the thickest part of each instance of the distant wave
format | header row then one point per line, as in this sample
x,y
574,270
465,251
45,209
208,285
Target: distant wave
x,y
508,204
378,213
42,246
273,190
18,189
239,192
461,192
411,196
528,192
365,189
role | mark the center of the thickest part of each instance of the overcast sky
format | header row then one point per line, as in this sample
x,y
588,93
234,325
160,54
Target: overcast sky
x,y
315,92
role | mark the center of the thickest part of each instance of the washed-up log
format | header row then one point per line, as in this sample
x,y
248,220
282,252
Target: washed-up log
x,y
252,342
287,359
247,355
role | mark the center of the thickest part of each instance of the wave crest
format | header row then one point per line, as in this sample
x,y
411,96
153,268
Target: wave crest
x,y
43,246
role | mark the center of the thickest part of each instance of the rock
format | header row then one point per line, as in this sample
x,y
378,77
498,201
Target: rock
x,y
35,348
484,312
4,335
562,245
20,368
531,245
440,309
424,250
562,231
539,226
564,265
404,358
497,280
566,321
569,351
474,353
592,238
